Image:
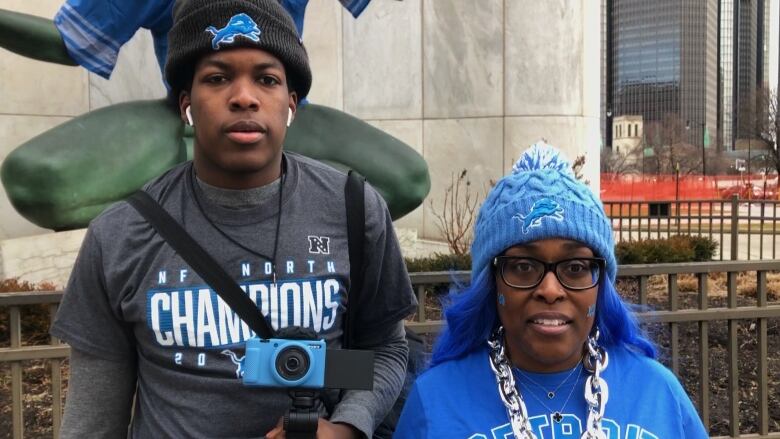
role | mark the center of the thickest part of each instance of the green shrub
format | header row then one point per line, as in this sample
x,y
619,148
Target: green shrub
x,y
676,248
439,262
703,248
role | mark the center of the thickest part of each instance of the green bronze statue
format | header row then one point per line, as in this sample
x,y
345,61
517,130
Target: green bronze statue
x,y
66,176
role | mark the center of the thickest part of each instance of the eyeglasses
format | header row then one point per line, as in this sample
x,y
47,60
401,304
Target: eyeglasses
x,y
574,274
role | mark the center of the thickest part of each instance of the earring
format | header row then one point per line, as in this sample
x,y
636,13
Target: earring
x,y
591,310
188,112
289,116
501,300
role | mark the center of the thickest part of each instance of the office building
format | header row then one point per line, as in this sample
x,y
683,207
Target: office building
x,y
697,62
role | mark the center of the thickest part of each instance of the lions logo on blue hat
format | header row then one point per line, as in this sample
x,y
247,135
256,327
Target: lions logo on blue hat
x,y
240,25
544,208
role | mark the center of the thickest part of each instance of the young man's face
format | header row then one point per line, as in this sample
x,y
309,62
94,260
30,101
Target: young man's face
x,y
239,102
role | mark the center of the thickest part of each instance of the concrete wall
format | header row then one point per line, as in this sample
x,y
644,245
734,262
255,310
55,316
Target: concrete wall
x,y
469,88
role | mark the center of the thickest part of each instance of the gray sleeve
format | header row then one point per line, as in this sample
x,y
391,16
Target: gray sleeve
x,y
88,318
99,398
365,409
386,296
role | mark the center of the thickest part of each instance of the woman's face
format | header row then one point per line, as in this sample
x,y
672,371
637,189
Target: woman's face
x,y
546,326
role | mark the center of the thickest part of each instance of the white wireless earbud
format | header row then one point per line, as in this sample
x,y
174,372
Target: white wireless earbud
x,y
188,112
289,116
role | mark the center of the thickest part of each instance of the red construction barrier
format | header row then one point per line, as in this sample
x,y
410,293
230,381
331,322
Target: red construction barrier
x,y
652,187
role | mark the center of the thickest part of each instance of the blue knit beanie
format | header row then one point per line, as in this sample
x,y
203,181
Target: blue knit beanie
x,y
541,199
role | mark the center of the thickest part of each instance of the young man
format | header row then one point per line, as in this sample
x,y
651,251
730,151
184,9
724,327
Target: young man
x,y
141,322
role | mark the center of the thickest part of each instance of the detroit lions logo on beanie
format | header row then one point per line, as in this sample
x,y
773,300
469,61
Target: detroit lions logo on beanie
x,y
240,25
544,208
541,199
201,27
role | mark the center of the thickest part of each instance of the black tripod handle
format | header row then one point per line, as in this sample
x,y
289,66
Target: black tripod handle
x,y
300,422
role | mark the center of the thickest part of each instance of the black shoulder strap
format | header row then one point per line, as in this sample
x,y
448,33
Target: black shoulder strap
x,y
356,232
200,261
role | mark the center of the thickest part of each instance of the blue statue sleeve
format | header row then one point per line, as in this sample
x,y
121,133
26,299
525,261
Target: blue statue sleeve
x,y
95,30
355,7
297,9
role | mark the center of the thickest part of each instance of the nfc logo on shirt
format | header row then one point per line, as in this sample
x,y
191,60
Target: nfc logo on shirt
x,y
319,245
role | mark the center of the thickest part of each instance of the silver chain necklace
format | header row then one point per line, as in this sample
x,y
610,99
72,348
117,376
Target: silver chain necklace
x,y
596,390
510,396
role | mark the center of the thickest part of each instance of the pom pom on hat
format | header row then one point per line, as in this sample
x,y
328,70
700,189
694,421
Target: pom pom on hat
x,y
542,155
541,199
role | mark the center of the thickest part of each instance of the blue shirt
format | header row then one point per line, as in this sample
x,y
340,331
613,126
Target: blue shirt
x,y
95,30
459,399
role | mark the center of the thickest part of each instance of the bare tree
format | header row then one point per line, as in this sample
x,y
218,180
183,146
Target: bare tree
x,y
578,167
457,214
621,163
665,139
768,127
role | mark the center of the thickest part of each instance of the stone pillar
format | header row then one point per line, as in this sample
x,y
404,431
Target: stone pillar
x,y
471,86
552,75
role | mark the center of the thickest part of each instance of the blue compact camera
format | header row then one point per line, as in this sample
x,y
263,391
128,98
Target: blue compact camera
x,y
278,362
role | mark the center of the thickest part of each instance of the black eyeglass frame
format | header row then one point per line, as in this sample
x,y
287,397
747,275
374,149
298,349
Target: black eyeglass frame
x,y
498,263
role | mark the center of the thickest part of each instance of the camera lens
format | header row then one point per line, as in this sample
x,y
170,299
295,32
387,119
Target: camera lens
x,y
292,363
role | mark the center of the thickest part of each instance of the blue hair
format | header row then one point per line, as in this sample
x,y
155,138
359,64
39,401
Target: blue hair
x,y
470,312
617,323
471,316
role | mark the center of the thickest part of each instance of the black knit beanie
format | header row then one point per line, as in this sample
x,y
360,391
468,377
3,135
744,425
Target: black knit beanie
x,y
204,26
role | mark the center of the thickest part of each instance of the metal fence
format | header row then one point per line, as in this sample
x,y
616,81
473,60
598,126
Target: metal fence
x,y
744,229
53,352
671,315
759,312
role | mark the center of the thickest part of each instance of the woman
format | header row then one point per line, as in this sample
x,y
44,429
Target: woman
x,y
540,345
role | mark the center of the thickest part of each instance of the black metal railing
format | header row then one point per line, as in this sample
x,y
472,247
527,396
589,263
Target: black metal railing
x,y
744,229
672,310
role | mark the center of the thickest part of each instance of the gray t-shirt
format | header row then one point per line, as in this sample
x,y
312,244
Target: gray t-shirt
x,y
131,298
